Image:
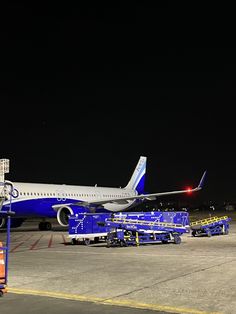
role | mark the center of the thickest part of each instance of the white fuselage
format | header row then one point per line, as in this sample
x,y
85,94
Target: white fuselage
x,y
61,194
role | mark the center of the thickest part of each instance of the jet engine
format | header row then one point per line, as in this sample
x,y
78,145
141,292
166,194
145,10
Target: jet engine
x,y
63,215
65,211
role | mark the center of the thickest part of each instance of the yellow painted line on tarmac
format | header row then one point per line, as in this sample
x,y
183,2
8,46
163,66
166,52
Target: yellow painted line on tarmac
x,y
59,295
126,303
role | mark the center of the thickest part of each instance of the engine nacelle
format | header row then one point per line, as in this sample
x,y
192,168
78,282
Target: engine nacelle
x,y
63,214
65,211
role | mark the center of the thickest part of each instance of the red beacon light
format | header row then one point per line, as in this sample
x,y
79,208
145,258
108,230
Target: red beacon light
x,y
189,190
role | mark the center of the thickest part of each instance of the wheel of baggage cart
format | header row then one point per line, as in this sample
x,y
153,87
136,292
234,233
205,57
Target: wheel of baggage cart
x,y
226,231
123,243
164,241
86,241
177,239
109,243
74,241
96,239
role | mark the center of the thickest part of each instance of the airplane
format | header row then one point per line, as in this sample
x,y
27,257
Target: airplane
x,y
45,201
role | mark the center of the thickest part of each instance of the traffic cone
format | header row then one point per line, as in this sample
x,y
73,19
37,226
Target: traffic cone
x,y
2,269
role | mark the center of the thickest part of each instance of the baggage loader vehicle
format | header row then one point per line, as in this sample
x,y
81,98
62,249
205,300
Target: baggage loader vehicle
x,y
210,226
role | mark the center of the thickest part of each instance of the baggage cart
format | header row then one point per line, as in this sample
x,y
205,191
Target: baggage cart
x,y
210,226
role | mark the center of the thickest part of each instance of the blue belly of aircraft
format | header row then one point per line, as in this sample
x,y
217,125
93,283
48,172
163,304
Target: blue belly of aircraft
x,y
34,208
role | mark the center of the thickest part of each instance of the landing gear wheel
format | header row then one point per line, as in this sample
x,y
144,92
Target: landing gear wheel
x,y
48,226
45,225
41,224
1,293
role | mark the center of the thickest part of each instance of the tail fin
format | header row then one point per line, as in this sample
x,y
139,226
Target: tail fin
x,y
138,177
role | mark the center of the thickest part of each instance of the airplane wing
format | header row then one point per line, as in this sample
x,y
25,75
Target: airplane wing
x,y
151,196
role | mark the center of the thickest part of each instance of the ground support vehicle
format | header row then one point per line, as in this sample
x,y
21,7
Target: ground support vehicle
x,y
84,228
91,227
124,232
210,226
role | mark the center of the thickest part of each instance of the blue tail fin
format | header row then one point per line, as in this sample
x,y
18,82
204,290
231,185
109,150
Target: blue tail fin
x,y
137,180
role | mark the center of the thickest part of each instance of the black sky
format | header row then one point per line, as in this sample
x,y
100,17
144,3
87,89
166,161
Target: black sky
x,y
88,88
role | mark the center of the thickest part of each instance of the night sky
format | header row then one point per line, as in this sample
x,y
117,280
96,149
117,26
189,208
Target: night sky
x,y
88,88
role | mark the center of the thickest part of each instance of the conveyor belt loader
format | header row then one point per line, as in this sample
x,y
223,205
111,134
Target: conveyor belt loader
x,y
210,226
124,232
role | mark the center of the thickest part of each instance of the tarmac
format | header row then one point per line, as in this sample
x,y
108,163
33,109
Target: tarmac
x,y
47,272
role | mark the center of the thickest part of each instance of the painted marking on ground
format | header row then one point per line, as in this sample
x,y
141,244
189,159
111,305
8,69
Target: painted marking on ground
x,y
33,246
126,303
20,244
16,247
50,241
63,238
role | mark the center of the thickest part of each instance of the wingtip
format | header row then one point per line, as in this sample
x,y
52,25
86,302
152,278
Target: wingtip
x,y
201,183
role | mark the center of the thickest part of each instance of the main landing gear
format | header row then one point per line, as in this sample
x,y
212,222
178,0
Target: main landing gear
x,y
45,225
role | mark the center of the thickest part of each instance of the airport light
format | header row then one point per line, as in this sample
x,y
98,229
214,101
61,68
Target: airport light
x,y
4,168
